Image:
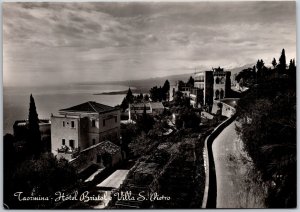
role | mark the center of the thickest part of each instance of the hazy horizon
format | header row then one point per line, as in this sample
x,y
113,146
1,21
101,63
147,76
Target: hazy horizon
x,y
49,44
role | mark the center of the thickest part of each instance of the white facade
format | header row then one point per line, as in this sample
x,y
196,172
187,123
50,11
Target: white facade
x,y
73,131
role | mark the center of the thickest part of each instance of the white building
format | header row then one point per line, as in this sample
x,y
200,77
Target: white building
x,y
81,126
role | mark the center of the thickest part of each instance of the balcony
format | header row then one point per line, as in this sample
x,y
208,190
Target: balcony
x,y
68,152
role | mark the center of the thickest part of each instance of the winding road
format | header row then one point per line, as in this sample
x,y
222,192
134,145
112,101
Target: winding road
x,y
236,178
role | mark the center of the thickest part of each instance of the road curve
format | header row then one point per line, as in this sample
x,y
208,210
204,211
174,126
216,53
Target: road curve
x,y
236,179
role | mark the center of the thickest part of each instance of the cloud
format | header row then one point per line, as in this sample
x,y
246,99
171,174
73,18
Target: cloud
x,y
119,41
180,39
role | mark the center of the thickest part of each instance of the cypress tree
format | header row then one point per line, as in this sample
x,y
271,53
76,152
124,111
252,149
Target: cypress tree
x,y
129,96
274,63
34,142
282,61
166,90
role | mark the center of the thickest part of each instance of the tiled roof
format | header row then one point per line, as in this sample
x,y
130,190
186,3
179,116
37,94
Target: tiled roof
x,y
104,146
157,105
90,107
141,105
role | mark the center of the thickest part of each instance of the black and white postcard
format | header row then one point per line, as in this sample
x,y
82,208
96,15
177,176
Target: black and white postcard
x,y
149,105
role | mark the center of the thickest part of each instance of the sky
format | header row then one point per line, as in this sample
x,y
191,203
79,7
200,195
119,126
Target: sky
x,y
48,44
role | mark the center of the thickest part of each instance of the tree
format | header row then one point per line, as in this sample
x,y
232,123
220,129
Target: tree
x,y
142,145
274,63
128,133
180,85
190,82
259,65
146,97
43,177
292,66
124,104
141,96
187,118
282,61
154,93
34,142
246,76
157,94
166,90
145,122
267,114
129,96
9,163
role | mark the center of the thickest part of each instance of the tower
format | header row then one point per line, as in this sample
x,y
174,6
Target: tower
x,y
221,83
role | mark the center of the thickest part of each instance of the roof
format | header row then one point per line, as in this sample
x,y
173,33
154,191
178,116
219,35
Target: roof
x,y
157,105
141,105
104,146
138,108
89,107
206,115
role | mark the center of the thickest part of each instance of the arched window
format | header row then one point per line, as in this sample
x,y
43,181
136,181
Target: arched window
x,y
217,94
222,80
217,80
222,94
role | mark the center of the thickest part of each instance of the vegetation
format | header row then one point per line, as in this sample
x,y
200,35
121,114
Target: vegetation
x,y
190,82
187,118
29,170
34,135
268,128
40,177
161,93
130,99
127,100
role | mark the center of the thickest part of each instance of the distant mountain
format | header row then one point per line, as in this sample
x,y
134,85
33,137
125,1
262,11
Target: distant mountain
x,y
144,85
238,69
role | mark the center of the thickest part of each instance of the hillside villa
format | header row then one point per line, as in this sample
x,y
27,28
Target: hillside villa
x,y
82,126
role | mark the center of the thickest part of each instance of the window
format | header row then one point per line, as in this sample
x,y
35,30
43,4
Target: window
x,y
103,122
222,94
94,141
201,78
217,93
72,144
64,124
63,141
72,124
217,80
116,119
93,123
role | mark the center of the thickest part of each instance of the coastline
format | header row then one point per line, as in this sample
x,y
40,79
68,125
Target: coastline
x,y
134,91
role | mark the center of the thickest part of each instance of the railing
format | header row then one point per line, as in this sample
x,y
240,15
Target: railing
x,y
66,150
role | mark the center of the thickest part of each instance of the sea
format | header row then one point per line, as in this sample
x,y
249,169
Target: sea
x,y
51,99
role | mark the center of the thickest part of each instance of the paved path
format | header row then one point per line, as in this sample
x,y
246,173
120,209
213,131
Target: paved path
x,y
91,178
114,180
236,186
